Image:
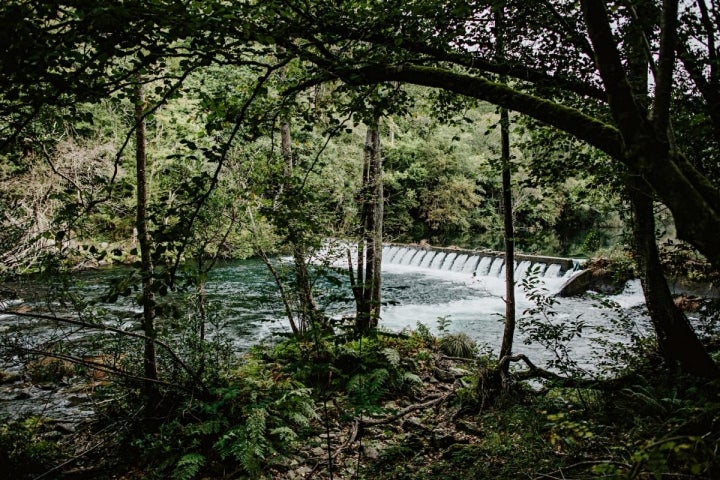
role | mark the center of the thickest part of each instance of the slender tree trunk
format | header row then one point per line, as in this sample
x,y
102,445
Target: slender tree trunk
x,y
362,310
370,252
308,313
145,244
509,231
377,231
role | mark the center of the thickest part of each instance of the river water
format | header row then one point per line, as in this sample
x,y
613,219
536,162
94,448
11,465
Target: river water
x,y
244,299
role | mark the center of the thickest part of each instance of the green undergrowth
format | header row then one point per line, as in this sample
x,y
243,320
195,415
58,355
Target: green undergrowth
x,y
278,401
657,427
263,409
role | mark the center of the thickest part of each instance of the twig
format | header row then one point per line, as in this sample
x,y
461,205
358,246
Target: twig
x,y
358,422
81,454
106,328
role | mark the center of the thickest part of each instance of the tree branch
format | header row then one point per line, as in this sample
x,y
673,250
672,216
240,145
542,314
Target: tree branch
x,y
666,66
607,59
593,131
105,328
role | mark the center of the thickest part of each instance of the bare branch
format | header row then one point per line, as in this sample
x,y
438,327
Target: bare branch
x,y
105,328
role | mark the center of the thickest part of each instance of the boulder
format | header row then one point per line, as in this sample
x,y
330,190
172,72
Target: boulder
x,y
598,280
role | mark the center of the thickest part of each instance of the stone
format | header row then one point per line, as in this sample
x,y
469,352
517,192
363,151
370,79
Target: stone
x,y
371,453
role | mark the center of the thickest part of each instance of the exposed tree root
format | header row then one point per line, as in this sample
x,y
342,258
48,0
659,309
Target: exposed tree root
x,y
534,372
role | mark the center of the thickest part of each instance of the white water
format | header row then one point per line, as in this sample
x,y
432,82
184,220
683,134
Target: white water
x,y
480,315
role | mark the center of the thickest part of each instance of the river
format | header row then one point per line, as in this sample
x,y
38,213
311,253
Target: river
x,y
244,302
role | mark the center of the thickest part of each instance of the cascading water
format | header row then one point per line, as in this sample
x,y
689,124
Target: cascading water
x,y
471,264
483,267
496,267
427,259
468,289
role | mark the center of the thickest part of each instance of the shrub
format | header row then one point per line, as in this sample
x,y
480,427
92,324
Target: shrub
x,y
458,345
25,451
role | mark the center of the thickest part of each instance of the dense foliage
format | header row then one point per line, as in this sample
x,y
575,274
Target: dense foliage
x,y
166,135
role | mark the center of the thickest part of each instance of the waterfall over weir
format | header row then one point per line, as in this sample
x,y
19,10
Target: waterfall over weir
x,y
477,263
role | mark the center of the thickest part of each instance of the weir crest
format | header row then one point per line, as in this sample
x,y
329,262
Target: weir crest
x,y
476,262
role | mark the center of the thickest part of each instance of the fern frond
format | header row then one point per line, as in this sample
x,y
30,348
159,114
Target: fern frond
x,y
285,434
392,356
366,389
411,379
188,466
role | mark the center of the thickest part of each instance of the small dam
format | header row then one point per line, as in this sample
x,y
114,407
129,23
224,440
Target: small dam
x,y
479,263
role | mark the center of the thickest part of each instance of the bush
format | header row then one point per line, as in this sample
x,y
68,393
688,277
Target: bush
x,y
458,345
25,450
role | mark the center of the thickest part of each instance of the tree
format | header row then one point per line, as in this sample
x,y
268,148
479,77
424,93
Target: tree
x,y
676,339
568,99
145,243
637,135
509,330
367,285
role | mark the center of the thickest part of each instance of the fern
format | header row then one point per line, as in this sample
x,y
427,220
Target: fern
x,y
286,435
366,390
188,466
250,444
392,356
211,427
411,379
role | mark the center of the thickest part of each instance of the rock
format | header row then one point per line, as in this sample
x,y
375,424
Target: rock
x,y
577,284
371,453
444,375
414,423
22,395
597,279
443,440
303,471
458,372
470,427
65,428
318,452
688,303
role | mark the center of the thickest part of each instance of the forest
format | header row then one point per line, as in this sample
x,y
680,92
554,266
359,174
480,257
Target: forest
x,y
295,239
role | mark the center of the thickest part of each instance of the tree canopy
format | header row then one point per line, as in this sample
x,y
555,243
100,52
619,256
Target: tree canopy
x,y
567,65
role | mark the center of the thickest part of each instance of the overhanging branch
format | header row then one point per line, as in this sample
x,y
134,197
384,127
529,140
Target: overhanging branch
x,y
593,131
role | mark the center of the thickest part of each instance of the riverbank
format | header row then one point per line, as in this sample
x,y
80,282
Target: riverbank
x,y
384,407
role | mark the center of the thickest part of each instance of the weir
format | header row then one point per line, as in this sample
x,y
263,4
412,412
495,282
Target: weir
x,y
477,262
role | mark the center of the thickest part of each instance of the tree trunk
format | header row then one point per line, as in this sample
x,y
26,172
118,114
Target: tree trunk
x,y
145,245
677,341
676,338
509,231
370,246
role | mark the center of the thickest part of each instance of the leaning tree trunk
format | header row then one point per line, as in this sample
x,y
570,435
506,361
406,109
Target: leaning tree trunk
x,y
677,341
145,244
369,280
